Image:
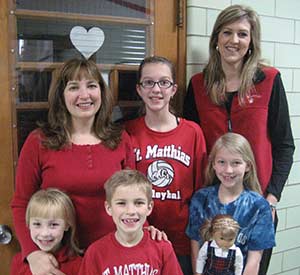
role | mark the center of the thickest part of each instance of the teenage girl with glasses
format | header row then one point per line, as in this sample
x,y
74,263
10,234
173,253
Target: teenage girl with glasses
x,y
170,151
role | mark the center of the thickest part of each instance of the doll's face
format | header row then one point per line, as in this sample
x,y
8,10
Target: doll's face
x,y
223,242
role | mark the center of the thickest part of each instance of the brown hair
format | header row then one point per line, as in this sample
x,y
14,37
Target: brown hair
x,y
220,223
58,127
238,144
53,203
156,60
127,177
213,72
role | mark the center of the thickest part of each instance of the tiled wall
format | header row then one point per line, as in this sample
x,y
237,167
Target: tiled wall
x,y
280,20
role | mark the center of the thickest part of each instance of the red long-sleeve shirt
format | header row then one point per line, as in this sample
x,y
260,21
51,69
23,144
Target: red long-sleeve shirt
x,y
80,171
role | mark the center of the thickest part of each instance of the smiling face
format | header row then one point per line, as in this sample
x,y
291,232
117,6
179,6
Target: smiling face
x,y
156,99
82,99
230,169
129,208
233,42
47,234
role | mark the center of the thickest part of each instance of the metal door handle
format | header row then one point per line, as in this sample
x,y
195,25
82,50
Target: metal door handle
x,y
5,234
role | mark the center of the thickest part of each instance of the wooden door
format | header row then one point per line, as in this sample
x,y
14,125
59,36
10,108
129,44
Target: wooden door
x,y
166,37
6,141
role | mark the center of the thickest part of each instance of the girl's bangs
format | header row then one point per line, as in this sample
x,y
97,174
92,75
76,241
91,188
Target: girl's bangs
x,y
46,211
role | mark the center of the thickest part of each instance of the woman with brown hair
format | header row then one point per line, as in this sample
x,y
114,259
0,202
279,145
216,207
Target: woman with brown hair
x,y
77,150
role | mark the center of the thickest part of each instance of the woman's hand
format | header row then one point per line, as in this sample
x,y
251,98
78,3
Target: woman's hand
x,y
42,263
156,234
272,201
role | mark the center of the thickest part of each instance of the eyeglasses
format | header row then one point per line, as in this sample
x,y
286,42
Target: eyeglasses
x,y
165,84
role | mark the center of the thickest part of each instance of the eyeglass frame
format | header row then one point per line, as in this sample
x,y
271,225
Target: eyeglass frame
x,y
157,82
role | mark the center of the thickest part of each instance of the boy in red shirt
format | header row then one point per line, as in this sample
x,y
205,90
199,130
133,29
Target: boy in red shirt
x,y
129,250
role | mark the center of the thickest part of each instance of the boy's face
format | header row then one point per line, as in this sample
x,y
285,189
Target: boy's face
x,y
47,233
129,208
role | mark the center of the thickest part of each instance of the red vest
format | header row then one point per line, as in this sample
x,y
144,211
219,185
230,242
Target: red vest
x,y
249,120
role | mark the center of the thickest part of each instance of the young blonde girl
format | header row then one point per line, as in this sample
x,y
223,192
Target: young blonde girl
x,y
219,254
233,189
50,218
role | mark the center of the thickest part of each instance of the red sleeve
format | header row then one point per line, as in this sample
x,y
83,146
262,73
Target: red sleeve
x,y
72,267
28,180
90,263
17,266
170,262
130,156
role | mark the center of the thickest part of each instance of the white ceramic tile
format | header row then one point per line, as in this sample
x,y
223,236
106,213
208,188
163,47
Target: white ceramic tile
x,y
288,8
287,239
214,4
196,21
294,102
277,29
296,79
268,52
290,196
211,19
287,55
294,176
266,7
275,264
287,79
197,49
293,217
297,32
295,122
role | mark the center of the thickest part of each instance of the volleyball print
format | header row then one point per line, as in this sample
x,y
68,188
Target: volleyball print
x,y
160,173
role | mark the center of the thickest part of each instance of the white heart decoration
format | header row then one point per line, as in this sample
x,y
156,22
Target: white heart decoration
x,y
87,42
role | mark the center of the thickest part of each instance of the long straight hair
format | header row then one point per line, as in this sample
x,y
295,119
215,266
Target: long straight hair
x,y
237,144
213,72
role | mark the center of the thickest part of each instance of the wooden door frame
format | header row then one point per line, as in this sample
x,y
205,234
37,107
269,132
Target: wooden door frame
x,y
172,45
175,50
6,137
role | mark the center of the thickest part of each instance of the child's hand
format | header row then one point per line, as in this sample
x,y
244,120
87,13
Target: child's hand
x,y
42,263
156,234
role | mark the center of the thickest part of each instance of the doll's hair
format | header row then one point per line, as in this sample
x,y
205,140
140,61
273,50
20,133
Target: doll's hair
x,y
224,224
52,203
127,177
237,144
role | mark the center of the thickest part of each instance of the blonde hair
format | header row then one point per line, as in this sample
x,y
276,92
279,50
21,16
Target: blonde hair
x,y
58,127
53,203
224,224
213,72
237,144
127,177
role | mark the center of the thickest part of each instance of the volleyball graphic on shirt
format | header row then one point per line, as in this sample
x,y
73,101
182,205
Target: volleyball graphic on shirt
x,y
160,173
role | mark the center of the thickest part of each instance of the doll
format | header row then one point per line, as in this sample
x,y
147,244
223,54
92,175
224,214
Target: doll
x,y
218,254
